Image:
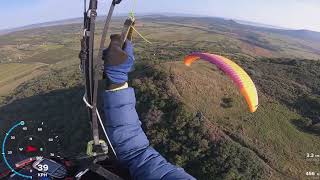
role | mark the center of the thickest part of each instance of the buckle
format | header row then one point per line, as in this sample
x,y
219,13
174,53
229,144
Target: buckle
x,y
97,150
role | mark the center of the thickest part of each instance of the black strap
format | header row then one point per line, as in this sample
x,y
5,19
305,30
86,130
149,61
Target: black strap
x,y
98,66
93,14
91,163
86,62
104,172
92,68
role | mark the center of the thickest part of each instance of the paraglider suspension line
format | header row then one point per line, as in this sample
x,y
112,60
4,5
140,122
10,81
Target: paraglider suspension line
x,y
100,121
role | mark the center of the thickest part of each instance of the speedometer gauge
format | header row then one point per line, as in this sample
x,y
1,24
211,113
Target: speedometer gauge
x,y
26,142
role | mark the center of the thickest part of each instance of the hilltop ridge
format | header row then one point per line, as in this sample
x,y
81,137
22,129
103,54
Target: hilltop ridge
x,y
194,116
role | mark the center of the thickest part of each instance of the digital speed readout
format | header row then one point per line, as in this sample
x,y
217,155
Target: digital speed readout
x,y
27,142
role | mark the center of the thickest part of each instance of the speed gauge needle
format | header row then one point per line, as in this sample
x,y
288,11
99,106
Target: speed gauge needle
x,y
31,149
25,162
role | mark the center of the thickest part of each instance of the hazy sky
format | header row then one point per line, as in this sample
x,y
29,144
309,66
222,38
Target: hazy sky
x,y
295,14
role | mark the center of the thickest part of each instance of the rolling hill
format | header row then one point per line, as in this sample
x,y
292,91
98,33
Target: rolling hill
x,y
194,116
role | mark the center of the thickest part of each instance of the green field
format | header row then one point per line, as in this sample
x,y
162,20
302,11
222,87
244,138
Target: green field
x,y
269,132
194,116
13,74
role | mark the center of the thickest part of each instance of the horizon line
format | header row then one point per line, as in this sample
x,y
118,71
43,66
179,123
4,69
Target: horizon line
x,y
244,22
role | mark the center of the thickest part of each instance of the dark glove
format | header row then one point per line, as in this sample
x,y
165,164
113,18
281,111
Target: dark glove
x,y
118,62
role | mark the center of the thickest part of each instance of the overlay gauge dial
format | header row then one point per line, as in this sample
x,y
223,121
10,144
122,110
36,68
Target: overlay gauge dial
x,y
26,142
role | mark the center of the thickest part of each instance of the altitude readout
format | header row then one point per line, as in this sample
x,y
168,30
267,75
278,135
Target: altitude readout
x,y
315,157
313,174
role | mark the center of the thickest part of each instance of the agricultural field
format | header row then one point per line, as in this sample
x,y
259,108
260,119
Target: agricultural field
x,y
13,74
194,116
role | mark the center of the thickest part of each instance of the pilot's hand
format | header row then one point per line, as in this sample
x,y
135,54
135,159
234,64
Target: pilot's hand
x,y
118,62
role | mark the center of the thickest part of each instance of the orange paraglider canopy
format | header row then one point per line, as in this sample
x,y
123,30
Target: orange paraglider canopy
x,y
234,71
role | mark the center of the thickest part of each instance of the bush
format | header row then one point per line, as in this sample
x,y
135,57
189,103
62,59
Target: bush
x,y
182,137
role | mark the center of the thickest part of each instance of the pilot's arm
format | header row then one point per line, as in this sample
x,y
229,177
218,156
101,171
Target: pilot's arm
x,y
123,125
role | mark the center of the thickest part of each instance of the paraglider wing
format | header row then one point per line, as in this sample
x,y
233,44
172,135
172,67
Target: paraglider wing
x,y
234,71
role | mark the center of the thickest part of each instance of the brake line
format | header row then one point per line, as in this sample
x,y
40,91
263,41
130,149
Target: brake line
x,y
101,123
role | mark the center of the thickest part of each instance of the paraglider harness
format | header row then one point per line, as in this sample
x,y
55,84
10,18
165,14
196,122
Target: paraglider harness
x,y
92,68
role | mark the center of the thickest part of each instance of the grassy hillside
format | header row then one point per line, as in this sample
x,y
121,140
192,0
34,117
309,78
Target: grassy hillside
x,y
207,34
49,97
236,38
195,116
270,132
13,74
